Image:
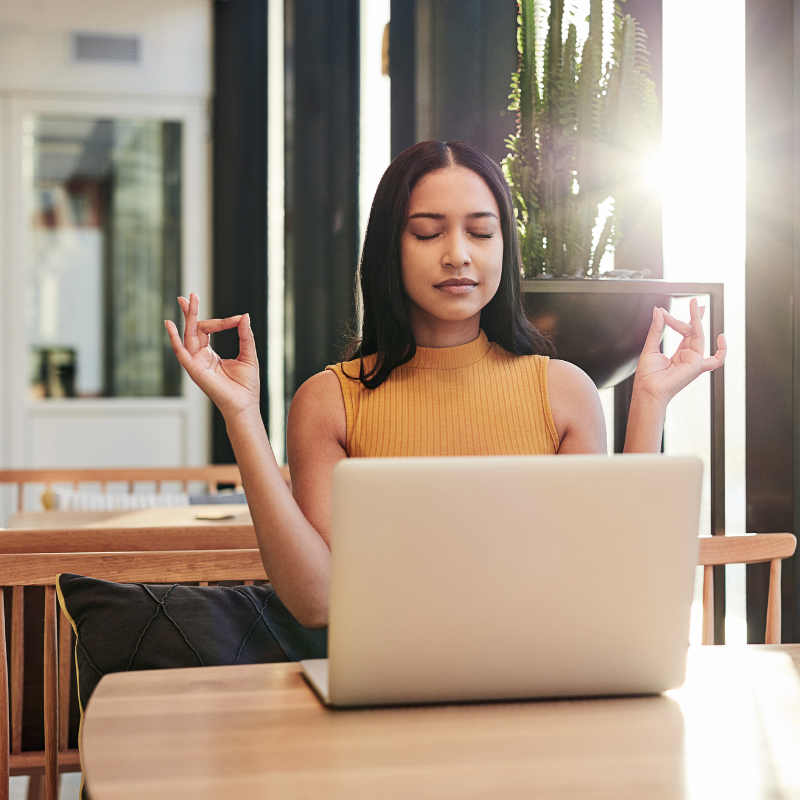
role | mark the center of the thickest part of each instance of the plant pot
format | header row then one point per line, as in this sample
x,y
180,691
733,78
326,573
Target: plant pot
x,y
599,325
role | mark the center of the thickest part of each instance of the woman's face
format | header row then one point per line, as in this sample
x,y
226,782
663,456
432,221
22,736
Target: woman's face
x,y
451,250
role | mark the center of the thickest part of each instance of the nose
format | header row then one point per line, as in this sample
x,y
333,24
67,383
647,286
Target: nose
x,y
456,253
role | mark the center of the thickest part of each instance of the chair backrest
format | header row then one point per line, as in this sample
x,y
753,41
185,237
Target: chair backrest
x,y
212,475
81,540
750,549
110,540
40,569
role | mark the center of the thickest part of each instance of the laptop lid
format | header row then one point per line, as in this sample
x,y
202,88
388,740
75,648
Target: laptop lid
x,y
483,578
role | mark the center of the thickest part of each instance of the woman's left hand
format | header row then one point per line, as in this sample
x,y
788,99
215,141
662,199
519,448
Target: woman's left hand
x,y
662,377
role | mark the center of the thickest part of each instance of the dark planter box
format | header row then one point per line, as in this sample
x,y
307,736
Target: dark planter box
x,y
593,324
601,325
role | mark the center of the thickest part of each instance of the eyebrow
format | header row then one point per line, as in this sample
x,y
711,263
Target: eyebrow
x,y
474,215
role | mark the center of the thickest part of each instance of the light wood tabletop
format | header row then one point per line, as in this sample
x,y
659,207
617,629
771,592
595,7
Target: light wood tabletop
x,y
176,516
259,731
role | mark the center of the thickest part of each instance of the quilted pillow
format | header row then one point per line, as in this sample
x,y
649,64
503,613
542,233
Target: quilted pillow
x,y
131,626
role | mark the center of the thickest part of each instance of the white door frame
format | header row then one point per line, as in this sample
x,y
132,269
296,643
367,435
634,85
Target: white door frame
x,y
16,409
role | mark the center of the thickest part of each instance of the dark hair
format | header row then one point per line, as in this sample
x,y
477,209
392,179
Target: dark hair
x,y
386,329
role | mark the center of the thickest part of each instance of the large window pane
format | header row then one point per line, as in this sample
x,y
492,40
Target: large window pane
x,y
704,236
104,256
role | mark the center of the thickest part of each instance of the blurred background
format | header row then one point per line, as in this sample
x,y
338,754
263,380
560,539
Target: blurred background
x,y
232,147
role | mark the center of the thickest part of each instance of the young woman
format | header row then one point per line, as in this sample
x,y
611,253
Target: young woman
x,y
447,364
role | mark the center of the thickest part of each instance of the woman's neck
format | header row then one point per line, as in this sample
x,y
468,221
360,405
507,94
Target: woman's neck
x,y
444,333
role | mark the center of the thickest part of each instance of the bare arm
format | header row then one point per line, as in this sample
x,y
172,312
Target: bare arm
x,y
296,555
575,406
316,438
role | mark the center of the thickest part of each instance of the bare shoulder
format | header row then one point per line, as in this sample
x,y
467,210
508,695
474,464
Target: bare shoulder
x,y
576,408
318,408
568,381
316,436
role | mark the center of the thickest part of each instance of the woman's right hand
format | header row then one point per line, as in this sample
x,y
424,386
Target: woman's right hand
x,y
232,384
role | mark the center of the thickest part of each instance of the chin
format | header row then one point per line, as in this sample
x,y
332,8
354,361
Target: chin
x,y
455,316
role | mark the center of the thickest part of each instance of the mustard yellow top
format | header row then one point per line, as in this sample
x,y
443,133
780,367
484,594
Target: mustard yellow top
x,y
474,399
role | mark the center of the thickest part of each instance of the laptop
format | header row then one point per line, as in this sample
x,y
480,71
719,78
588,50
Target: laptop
x,y
509,577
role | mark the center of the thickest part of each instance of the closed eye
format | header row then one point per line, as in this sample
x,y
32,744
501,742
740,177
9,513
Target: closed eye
x,y
422,238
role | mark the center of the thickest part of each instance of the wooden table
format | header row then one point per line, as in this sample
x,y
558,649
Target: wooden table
x,y
177,516
258,731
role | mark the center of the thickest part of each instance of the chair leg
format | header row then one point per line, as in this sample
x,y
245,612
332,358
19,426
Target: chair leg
x,y
36,787
708,604
774,603
50,694
65,655
17,665
4,732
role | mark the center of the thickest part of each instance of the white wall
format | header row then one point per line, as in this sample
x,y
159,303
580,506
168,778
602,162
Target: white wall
x,y
172,81
36,55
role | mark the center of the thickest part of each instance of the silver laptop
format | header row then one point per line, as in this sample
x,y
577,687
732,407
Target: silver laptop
x,y
488,578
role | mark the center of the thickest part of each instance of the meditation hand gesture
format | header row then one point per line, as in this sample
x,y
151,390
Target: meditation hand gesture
x,y
662,377
232,384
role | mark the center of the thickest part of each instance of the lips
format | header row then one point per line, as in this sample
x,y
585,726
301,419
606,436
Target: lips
x,y
457,282
457,286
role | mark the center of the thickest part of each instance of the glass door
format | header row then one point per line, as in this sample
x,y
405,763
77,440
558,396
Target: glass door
x,y
104,221
104,255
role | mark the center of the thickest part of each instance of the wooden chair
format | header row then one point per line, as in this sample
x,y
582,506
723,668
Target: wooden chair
x,y
110,540
84,540
750,549
40,569
212,475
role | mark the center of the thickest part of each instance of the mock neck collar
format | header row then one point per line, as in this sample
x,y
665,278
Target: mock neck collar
x,y
451,357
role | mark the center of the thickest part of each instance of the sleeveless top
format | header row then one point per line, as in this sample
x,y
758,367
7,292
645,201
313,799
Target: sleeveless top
x,y
474,399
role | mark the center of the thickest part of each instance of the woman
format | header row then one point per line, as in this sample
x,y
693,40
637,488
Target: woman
x,y
441,262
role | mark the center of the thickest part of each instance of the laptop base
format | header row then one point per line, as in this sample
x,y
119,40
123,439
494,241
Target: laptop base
x,y
315,671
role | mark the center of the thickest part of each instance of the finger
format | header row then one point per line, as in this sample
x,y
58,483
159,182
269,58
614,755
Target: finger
x,y
184,357
247,344
184,304
190,332
216,325
698,340
718,359
652,344
678,325
193,336
681,327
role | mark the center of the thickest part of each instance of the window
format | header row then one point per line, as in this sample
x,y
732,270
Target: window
x,y
103,255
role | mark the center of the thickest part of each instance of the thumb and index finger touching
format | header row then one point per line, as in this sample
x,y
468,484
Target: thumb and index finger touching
x,y
196,332
692,333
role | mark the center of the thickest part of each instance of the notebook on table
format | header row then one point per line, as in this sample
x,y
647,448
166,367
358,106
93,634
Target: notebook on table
x,y
503,577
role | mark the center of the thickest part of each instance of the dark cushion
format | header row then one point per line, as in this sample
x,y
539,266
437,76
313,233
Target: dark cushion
x,y
130,626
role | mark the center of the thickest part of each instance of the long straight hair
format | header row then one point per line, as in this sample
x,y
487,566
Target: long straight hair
x,y
385,325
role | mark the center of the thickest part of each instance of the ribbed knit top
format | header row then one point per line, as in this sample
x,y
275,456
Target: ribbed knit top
x,y
474,399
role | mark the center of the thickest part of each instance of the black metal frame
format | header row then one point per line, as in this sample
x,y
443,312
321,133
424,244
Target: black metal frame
x,y
239,187
322,145
716,295
772,288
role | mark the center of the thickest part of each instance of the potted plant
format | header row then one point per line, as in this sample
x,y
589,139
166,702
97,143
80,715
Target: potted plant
x,y
585,125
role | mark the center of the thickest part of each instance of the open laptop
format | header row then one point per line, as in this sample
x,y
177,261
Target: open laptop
x,y
487,578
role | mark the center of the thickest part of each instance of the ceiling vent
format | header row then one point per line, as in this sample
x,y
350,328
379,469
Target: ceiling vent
x,y
106,48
